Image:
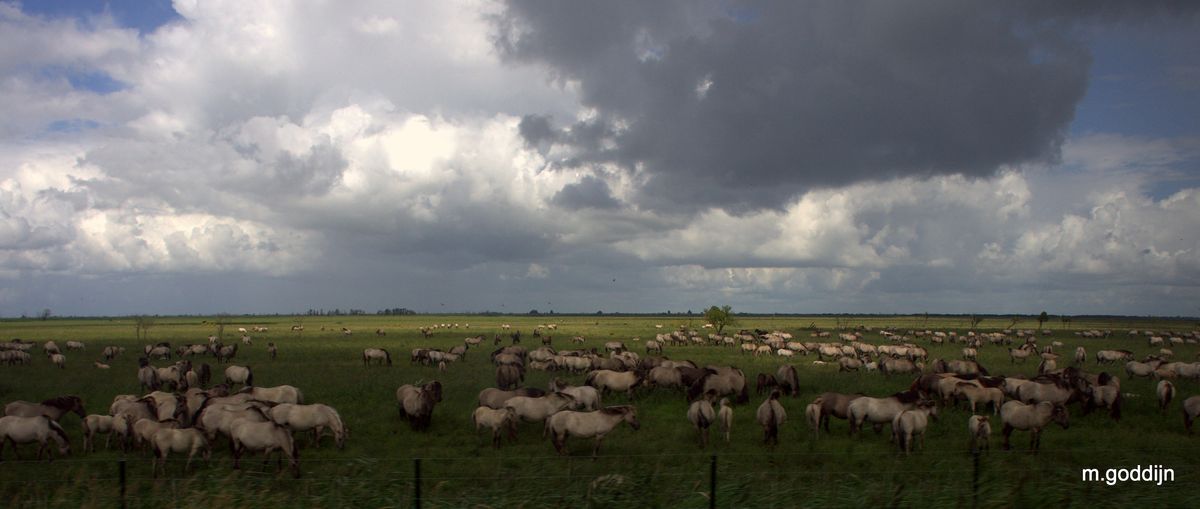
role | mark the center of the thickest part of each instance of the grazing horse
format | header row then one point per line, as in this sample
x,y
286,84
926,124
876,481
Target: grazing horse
x,y
265,436
771,416
606,380
239,375
189,440
880,411
416,403
596,424
980,430
316,417
39,428
762,383
702,415
377,354
498,420
54,408
975,395
1021,416
835,404
1165,392
789,381
586,397
1052,389
725,417
725,380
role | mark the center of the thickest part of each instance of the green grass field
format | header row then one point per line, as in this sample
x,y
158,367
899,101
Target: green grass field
x,y
659,466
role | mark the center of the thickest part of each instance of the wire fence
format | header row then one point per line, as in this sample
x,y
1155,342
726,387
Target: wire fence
x,y
767,479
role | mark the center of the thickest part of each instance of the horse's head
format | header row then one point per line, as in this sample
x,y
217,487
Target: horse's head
x,y
1061,416
631,417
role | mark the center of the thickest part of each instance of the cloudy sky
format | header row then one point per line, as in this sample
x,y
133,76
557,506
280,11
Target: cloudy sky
x,y
468,155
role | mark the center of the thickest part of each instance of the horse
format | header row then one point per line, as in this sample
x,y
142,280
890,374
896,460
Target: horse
x,y
1018,353
495,398
606,380
835,404
96,423
598,424
144,429
789,381
498,420
701,415
239,375
1165,392
1054,389
315,417
1191,410
538,409
976,394
278,394
762,383
416,403
725,417
812,415
979,429
39,428
54,408
272,351
1104,396
267,436
378,354
219,417
771,416
880,410
586,397
1022,416
189,440
1110,356
1080,355
725,380
509,376
912,423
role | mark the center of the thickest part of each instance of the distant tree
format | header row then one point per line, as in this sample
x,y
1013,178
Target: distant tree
x,y
1012,321
45,314
1066,321
220,322
975,321
719,317
533,312
1042,319
142,326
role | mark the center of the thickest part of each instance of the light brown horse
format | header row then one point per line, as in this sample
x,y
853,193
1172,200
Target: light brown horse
x,y
39,428
1020,416
771,416
416,403
596,424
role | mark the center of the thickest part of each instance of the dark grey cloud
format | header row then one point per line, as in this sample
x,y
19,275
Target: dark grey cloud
x,y
589,192
748,106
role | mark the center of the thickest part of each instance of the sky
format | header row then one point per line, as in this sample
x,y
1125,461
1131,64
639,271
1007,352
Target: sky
x,y
937,156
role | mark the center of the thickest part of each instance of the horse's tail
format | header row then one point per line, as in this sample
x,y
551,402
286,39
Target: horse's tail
x,y
772,424
1116,406
591,378
744,395
299,396
387,356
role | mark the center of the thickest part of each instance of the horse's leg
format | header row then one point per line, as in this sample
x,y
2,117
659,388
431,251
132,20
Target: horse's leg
x,y
1008,429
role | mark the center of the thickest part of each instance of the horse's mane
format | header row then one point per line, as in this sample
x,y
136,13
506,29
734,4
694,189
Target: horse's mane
x,y
64,402
58,429
908,396
615,410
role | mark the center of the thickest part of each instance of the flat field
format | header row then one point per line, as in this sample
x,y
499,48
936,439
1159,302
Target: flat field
x,y
661,465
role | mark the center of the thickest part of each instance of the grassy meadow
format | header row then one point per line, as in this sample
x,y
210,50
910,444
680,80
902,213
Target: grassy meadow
x,y
661,465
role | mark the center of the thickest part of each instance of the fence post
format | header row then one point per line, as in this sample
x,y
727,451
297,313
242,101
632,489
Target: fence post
x,y
975,479
712,482
121,480
417,483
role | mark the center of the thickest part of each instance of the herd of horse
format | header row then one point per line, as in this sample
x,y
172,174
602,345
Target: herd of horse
x,y
178,415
